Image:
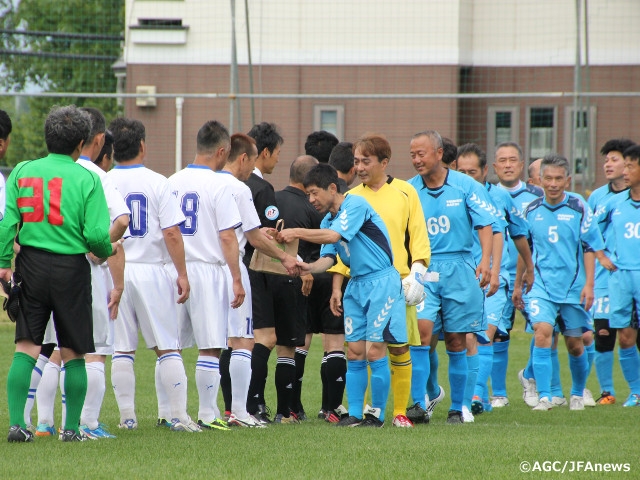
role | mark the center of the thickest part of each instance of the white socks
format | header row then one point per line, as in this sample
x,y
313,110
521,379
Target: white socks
x,y
208,383
123,380
46,393
240,372
95,395
174,381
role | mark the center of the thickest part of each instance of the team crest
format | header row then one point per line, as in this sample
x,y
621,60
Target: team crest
x,y
271,212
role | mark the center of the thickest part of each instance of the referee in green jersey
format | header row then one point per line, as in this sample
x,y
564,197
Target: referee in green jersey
x,y
56,211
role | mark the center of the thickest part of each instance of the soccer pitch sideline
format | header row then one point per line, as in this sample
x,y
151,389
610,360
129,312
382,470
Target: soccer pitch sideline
x,y
506,443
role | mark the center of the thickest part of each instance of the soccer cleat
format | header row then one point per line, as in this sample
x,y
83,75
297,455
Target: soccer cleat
x,y
455,417
349,421
322,413
100,432
499,402
163,422
31,427
45,430
72,436
186,426
17,434
476,405
337,415
529,394
559,401
576,403
632,401
263,414
86,431
417,414
543,405
434,402
606,399
301,416
588,398
402,421
249,422
128,424
371,418
467,416
227,415
215,424
290,420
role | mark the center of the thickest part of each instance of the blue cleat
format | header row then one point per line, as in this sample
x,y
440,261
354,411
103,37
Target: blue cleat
x,y
632,401
45,430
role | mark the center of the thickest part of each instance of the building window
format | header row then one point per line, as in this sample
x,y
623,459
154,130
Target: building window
x,y
502,126
579,141
329,118
541,132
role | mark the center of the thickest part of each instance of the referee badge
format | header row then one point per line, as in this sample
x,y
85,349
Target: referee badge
x,y
271,212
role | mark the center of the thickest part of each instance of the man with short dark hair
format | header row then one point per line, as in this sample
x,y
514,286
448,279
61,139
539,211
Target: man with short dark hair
x,y
373,301
54,231
341,159
320,144
605,336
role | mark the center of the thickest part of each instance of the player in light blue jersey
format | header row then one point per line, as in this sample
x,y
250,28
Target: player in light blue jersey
x,y
374,307
509,165
620,217
562,228
454,206
605,336
472,161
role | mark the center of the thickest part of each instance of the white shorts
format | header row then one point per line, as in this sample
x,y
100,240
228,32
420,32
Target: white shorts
x,y
148,303
103,326
202,319
240,319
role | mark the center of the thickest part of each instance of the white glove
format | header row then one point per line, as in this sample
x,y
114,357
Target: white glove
x,y
412,286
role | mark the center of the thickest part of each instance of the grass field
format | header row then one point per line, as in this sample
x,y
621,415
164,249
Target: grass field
x,y
493,447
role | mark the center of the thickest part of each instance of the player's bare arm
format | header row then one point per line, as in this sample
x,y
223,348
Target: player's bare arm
x,y
118,227
321,236
518,285
605,261
319,266
587,295
483,272
522,245
262,241
116,268
335,302
496,253
175,246
231,252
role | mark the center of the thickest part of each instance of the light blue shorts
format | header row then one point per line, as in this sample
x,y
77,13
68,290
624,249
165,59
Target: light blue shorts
x,y
572,320
494,307
374,308
601,306
624,291
457,297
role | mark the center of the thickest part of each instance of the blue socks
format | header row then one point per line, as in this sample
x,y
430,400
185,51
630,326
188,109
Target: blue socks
x,y
604,371
380,383
420,373
499,369
579,366
357,380
485,365
472,376
556,385
630,364
433,389
457,377
541,360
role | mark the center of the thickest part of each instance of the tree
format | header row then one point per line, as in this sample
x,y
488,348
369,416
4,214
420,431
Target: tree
x,y
60,46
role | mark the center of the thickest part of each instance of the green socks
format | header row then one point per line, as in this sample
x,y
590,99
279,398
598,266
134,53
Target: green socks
x,y
18,382
75,390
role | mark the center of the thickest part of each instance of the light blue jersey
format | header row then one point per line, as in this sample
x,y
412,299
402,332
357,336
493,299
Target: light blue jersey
x,y
620,219
453,211
597,201
365,245
522,196
558,234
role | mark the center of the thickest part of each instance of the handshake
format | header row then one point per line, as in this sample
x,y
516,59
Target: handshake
x,y
413,284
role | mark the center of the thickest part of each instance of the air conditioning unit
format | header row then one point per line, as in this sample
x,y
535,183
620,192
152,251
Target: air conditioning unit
x,y
146,101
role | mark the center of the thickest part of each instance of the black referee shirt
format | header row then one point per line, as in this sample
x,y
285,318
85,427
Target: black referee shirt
x,y
297,212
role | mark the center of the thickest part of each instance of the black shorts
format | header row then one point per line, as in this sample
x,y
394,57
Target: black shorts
x,y
58,284
321,320
277,302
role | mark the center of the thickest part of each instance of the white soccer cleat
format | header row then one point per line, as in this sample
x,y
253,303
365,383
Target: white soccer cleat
x,y
543,405
467,416
249,422
499,402
559,401
128,424
433,403
588,398
187,426
576,403
529,393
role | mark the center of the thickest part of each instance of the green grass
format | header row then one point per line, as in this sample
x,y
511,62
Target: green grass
x,y
492,447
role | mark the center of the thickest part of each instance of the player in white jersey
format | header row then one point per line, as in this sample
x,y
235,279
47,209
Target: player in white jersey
x,y
148,301
104,305
210,243
238,168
